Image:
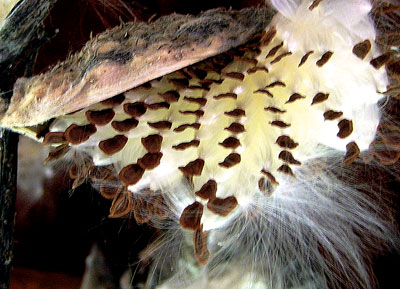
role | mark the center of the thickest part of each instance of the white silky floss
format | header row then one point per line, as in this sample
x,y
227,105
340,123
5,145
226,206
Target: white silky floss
x,y
284,240
280,217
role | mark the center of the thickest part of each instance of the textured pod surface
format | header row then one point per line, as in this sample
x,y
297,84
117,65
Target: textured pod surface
x,y
127,56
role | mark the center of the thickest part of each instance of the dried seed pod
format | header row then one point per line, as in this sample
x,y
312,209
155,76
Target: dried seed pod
x,y
287,156
152,143
111,187
185,126
150,161
100,117
345,128
276,83
125,125
226,95
380,61
286,142
193,168
160,125
131,174
222,207
54,138
235,127
268,36
121,205
179,82
201,252
170,96
257,68
274,50
158,105
231,160
280,124
352,153
199,100
57,153
208,190
191,216
279,57
286,170
197,113
265,91
320,97
78,134
185,145
113,145
234,75
136,109
332,115
361,49
324,58
305,57
230,142
236,112
294,97
265,186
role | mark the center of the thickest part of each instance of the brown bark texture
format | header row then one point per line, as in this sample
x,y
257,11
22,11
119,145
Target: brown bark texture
x,y
20,37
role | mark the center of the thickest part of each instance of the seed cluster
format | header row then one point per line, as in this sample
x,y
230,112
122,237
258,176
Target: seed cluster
x,y
239,116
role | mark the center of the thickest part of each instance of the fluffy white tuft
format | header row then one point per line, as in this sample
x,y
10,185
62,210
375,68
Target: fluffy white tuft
x,y
316,232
